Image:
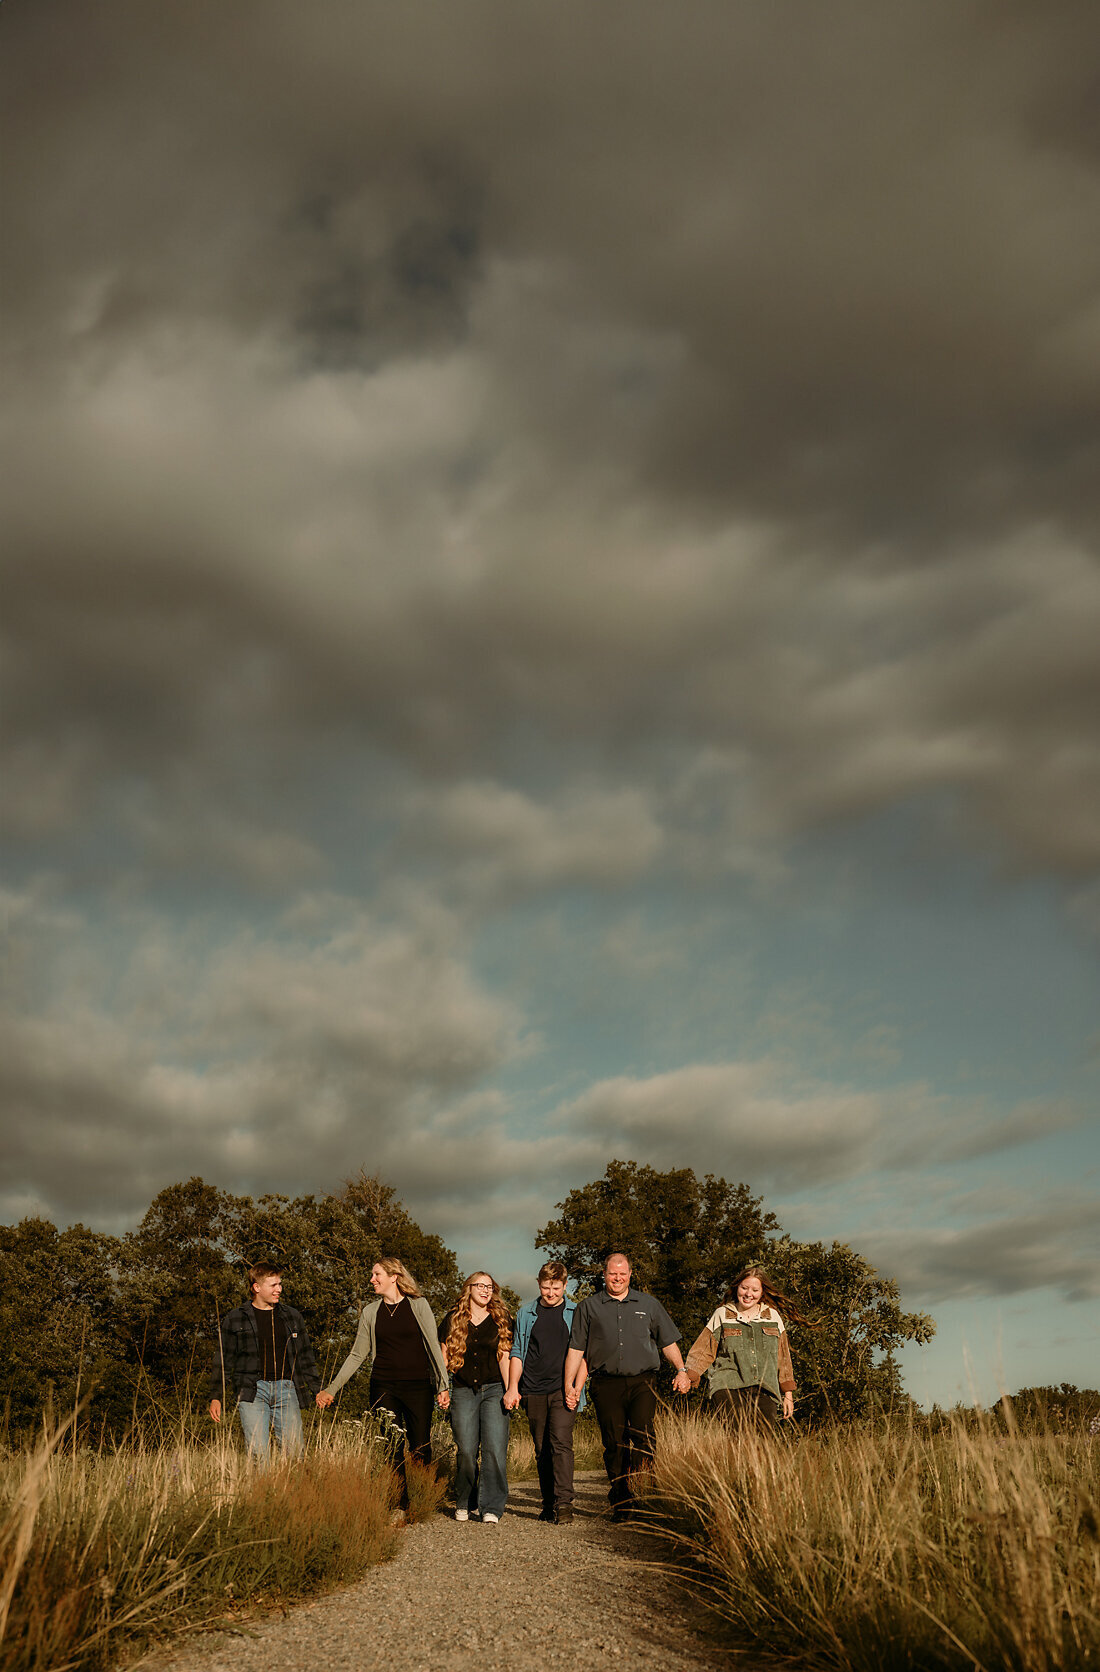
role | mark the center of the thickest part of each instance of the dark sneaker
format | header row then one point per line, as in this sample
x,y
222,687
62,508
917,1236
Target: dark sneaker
x,y
546,1513
563,1515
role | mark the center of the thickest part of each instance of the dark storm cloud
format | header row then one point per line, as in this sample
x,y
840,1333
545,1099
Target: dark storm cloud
x,y
1053,1245
709,377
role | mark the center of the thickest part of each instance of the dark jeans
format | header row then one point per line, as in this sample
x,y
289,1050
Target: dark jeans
x,y
551,1424
626,1408
411,1403
478,1419
746,1405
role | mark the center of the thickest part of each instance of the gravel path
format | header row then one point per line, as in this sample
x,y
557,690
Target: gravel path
x,y
461,1595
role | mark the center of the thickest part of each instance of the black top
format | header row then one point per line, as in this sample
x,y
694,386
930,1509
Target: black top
x,y
399,1351
622,1337
480,1363
271,1329
544,1366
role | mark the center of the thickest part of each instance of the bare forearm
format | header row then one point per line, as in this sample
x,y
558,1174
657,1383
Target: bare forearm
x,y
574,1364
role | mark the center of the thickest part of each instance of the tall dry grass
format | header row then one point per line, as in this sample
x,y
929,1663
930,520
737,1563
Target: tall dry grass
x,y
587,1447
108,1550
880,1550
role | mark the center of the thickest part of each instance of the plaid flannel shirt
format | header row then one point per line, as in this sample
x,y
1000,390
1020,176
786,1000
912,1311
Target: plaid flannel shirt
x,y
236,1363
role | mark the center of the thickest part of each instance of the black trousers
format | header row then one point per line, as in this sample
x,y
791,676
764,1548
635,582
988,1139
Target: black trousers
x,y
757,1404
551,1423
626,1408
411,1403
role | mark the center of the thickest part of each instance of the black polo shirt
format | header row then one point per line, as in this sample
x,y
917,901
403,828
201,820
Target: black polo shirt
x,y
622,1337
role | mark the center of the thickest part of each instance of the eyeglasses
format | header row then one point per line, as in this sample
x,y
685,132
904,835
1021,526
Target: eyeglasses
x,y
481,1285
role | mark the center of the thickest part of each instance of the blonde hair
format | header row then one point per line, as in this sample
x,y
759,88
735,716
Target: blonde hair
x,y
454,1348
406,1282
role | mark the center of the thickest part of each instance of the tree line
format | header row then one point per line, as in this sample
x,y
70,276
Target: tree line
x,y
129,1320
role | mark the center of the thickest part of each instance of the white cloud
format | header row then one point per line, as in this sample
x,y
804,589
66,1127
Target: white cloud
x,y
502,841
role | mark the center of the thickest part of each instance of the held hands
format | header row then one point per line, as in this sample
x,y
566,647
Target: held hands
x,y
443,1400
324,1399
511,1399
681,1382
572,1398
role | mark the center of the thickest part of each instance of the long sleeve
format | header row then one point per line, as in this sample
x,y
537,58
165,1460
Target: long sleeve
x,y
786,1368
306,1361
221,1384
424,1316
701,1355
362,1348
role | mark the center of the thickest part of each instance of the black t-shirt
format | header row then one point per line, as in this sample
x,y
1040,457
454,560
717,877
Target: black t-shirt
x,y
399,1351
274,1360
544,1365
480,1363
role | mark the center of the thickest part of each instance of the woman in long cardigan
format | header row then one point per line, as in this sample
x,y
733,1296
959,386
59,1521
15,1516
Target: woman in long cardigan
x,y
397,1336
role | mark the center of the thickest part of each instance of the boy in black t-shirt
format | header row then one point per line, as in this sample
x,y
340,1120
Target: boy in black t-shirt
x,y
536,1376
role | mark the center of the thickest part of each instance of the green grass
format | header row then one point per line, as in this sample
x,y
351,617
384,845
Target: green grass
x,y
876,1550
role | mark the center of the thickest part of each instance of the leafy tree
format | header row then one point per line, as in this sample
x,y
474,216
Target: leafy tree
x,y
58,1333
688,1237
846,1366
685,1236
188,1261
178,1276
1063,1409
136,1316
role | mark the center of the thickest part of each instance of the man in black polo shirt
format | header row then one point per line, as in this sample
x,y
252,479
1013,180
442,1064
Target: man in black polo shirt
x,y
615,1345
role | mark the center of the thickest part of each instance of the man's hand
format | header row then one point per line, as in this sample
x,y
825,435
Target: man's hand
x,y
681,1382
572,1398
443,1400
324,1399
511,1399
216,1409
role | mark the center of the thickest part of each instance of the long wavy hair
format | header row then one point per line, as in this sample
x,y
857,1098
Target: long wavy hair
x,y
406,1282
455,1344
770,1295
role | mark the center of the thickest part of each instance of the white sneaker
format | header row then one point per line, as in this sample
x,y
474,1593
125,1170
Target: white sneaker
x,y
490,1519
462,1515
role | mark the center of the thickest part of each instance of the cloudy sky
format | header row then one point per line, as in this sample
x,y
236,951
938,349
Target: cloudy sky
x,y
551,612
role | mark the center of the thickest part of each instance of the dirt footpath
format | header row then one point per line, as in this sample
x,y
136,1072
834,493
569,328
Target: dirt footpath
x,y
522,1595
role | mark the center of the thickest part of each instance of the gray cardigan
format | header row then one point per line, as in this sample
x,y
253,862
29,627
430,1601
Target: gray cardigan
x,y
364,1346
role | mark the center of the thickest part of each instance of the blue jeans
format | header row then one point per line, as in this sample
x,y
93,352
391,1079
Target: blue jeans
x,y
478,1418
275,1406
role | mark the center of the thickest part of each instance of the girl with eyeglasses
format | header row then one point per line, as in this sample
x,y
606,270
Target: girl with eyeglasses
x,y
476,1338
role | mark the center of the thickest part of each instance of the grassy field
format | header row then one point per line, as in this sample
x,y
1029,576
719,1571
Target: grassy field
x,y
870,1551
103,1551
